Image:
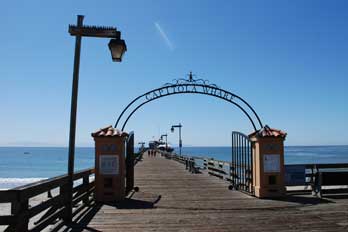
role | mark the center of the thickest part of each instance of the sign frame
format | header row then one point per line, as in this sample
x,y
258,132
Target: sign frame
x,y
271,163
109,165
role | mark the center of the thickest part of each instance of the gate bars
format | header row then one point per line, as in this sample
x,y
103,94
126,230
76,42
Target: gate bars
x,y
242,163
130,162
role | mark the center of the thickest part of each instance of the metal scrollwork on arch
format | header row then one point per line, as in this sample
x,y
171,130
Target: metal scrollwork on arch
x,y
190,86
181,81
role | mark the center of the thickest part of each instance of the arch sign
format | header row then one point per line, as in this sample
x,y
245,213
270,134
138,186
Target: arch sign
x,y
190,86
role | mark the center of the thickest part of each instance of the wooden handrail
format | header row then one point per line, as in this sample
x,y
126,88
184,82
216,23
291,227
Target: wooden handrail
x,y
309,166
19,199
8,195
80,174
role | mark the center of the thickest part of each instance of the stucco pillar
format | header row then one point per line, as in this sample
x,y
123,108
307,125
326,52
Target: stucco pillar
x,y
109,164
268,165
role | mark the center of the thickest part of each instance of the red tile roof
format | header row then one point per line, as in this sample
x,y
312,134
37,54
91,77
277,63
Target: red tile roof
x,y
108,131
266,131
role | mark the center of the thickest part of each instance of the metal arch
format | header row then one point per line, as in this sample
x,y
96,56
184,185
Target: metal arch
x,y
194,85
209,94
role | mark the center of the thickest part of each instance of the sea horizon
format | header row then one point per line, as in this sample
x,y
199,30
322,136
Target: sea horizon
x,y
25,164
176,146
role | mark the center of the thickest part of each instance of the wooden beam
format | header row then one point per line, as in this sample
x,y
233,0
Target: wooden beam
x,y
94,31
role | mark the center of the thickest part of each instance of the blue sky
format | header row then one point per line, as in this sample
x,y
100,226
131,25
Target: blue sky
x,y
288,59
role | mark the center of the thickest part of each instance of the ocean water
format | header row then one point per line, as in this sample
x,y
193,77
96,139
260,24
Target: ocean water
x,y
22,165
293,154
19,168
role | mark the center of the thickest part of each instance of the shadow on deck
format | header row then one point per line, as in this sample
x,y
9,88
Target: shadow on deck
x,y
82,221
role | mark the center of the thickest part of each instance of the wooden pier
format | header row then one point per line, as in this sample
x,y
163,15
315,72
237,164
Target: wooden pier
x,y
172,199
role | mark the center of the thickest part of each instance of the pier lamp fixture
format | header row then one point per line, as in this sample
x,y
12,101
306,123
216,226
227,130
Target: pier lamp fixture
x,y
165,135
180,141
141,143
142,146
117,48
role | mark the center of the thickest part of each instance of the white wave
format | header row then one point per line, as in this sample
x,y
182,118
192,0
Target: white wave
x,y
8,183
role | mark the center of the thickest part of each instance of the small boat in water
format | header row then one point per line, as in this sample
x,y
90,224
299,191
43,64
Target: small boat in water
x,y
26,153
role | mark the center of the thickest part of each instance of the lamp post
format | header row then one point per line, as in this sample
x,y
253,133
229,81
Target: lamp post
x,y
180,141
165,135
142,145
117,48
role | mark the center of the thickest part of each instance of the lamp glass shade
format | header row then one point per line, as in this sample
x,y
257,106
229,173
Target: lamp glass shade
x,y
117,48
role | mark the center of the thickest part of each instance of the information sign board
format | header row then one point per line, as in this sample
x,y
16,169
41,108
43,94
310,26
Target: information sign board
x,y
271,163
109,165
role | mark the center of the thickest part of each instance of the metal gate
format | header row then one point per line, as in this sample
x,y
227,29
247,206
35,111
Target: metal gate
x,y
242,163
130,162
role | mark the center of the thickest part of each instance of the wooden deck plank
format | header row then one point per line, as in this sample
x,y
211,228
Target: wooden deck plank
x,y
172,199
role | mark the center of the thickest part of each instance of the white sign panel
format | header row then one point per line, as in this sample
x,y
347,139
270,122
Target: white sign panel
x,y
109,164
271,163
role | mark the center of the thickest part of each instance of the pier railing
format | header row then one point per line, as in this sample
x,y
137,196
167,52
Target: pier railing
x,y
54,210
50,211
314,176
217,168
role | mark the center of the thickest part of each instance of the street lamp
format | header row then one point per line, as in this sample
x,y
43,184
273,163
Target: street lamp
x,y
118,48
165,135
141,143
142,146
180,141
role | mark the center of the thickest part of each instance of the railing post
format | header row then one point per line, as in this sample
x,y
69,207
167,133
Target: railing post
x,y
65,193
191,165
312,181
320,181
19,209
85,182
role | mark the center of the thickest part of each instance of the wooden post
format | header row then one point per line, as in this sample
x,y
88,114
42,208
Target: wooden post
x,y
64,192
85,182
19,209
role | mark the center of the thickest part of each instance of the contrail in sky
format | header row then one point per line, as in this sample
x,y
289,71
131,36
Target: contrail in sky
x,y
164,36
